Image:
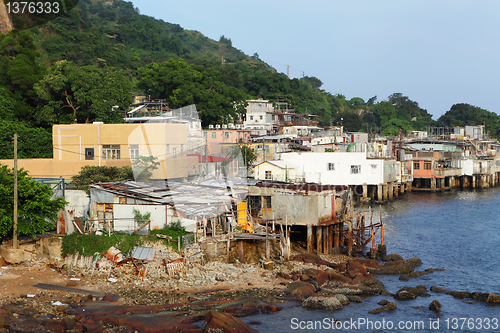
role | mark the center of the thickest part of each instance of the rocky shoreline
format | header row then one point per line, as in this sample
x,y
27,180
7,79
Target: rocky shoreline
x,y
208,298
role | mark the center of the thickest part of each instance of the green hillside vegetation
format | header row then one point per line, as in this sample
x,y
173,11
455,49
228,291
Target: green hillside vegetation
x,y
81,65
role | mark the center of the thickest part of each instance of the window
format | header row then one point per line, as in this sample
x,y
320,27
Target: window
x,y
205,135
226,135
267,201
331,166
251,117
273,117
134,151
168,149
374,166
214,135
268,175
111,152
182,148
174,151
416,165
89,153
355,169
260,117
427,166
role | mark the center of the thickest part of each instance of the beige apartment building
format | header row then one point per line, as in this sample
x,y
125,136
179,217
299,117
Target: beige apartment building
x,y
98,144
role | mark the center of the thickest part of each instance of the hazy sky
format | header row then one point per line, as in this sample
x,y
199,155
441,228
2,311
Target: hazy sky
x,y
436,52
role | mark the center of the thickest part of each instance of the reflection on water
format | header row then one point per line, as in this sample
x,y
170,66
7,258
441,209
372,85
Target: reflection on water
x,y
458,231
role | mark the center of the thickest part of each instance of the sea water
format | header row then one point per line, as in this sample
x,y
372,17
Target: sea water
x,y
458,231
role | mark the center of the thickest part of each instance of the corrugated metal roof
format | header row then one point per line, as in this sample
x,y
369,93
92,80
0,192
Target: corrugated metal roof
x,y
143,253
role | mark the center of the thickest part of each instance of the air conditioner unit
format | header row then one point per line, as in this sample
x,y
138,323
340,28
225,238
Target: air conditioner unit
x,y
217,126
230,125
224,126
238,126
210,126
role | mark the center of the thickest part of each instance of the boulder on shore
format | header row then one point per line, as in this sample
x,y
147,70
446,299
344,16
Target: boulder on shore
x,y
300,289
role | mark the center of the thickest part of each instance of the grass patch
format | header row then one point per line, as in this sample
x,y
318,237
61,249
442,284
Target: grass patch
x,y
88,245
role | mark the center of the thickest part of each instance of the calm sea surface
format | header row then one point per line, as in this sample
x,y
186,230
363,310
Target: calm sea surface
x,y
458,231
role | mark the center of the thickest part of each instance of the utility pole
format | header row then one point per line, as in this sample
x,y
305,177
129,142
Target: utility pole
x,y
14,239
287,72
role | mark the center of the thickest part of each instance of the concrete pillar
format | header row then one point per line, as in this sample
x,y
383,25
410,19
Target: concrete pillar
x,y
384,191
365,191
379,192
473,182
433,184
391,190
396,190
452,182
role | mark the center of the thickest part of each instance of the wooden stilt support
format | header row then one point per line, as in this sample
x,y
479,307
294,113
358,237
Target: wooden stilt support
x,y
319,238
330,236
325,239
349,238
309,239
240,251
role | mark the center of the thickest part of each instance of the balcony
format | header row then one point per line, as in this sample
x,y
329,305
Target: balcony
x,y
447,172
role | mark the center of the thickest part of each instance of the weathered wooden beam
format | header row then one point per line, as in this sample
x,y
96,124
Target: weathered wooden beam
x,y
310,238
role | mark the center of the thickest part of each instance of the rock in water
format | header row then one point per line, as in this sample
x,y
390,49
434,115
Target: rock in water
x,y
322,302
225,322
388,307
435,306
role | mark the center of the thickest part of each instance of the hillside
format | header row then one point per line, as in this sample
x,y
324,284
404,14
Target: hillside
x,y
113,33
79,66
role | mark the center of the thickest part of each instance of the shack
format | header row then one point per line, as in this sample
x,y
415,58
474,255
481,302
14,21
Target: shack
x,y
112,204
314,213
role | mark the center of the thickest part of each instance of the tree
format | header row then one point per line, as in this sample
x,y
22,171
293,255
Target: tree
x,y
465,114
33,142
313,82
183,84
82,94
20,70
247,154
393,126
96,174
142,166
350,120
37,212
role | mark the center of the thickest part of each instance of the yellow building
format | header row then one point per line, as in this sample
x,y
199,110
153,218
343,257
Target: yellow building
x,y
98,144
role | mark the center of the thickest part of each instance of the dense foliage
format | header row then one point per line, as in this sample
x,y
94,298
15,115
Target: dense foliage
x,y
465,114
182,84
81,65
82,94
100,174
37,212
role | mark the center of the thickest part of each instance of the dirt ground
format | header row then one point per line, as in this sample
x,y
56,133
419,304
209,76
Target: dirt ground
x,y
17,280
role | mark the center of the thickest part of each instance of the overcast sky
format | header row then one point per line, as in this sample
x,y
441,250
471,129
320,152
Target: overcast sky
x,y
436,52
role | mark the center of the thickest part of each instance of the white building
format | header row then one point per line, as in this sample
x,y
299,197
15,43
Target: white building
x,y
277,170
342,168
260,118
